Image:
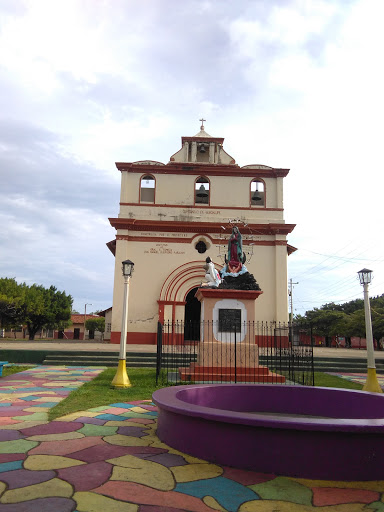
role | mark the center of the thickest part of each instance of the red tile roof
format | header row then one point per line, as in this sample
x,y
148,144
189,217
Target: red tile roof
x,y
79,319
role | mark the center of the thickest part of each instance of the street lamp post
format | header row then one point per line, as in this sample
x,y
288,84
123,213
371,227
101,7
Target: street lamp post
x,y
371,383
85,315
121,379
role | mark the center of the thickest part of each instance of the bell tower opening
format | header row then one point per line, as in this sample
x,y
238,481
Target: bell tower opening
x,y
192,317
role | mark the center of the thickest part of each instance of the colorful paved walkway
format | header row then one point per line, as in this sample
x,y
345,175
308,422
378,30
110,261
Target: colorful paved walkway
x,y
109,458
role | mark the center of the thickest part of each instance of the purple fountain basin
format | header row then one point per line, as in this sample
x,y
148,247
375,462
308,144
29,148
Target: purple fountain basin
x,y
322,433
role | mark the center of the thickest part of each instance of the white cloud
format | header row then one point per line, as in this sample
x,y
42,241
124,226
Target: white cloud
x,y
291,84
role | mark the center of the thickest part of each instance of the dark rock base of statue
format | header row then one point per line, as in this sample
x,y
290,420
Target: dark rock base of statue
x,y
244,281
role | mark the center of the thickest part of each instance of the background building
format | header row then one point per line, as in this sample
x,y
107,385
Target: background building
x,y
172,216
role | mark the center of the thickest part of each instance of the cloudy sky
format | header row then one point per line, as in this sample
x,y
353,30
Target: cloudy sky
x,y
289,83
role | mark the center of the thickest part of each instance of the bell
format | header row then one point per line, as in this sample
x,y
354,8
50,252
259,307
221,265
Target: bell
x,y
202,148
202,192
256,196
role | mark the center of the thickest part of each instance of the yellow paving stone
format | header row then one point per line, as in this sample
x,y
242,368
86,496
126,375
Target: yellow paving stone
x,y
125,423
65,436
137,409
284,506
91,502
45,462
51,488
372,485
62,384
121,440
23,424
49,399
193,472
14,396
3,486
187,458
29,393
144,472
78,414
211,502
37,409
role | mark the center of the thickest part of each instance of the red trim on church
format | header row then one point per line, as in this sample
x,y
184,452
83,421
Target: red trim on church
x,y
135,338
267,243
230,294
195,227
206,169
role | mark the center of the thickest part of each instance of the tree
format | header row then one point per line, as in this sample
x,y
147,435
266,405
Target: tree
x,y
326,322
346,319
34,306
95,324
356,324
11,299
46,307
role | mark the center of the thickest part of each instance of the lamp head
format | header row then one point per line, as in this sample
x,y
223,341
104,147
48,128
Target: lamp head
x,y
127,268
365,276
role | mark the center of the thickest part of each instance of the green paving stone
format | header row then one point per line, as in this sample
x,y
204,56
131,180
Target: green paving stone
x,y
97,430
376,506
36,416
17,446
101,408
283,489
137,415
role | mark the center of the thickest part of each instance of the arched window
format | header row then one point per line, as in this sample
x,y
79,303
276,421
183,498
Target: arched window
x,y
257,193
201,191
147,189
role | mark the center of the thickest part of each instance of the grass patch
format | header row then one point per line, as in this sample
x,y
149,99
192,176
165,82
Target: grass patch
x,y
99,392
332,381
10,370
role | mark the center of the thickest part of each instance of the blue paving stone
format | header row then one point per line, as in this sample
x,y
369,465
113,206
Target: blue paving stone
x,y
29,398
45,404
5,404
123,405
228,493
110,417
10,466
31,390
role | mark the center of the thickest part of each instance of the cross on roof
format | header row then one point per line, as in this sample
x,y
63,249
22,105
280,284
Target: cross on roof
x,y
202,124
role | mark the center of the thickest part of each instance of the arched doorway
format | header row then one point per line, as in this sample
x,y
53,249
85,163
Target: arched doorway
x,y
192,316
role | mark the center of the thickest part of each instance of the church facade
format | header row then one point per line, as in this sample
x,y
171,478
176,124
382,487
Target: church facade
x,y
173,216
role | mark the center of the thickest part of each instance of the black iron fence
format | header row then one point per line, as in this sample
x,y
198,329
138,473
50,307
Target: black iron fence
x,y
228,350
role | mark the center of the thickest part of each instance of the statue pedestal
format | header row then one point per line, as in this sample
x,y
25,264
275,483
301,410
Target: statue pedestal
x,y
218,305
227,350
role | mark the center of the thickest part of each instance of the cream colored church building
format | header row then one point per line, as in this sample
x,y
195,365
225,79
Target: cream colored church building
x,y
172,216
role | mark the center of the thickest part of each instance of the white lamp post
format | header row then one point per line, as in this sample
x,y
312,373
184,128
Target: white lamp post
x,y
372,383
121,379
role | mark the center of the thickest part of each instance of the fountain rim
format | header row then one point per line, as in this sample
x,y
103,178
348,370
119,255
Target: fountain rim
x,y
170,399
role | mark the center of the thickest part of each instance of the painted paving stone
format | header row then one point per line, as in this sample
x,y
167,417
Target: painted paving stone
x,y
109,458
